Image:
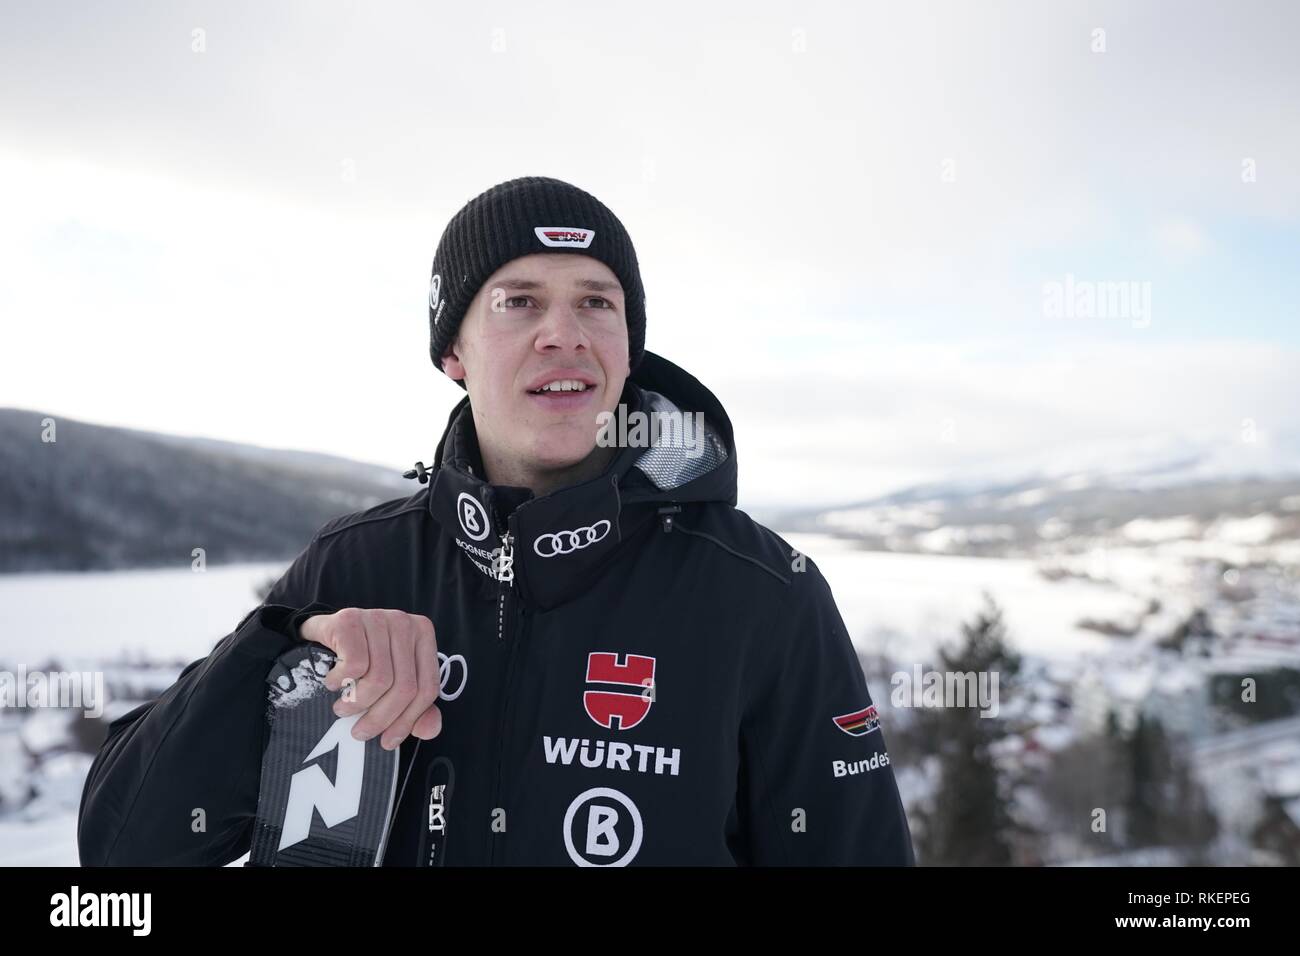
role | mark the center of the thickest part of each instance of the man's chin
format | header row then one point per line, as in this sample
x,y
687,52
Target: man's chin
x,y
553,459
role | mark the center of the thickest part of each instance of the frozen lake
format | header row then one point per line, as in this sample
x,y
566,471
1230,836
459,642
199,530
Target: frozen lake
x,y
902,603
85,616
908,601
908,604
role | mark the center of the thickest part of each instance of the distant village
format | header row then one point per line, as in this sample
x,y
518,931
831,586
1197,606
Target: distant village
x,y
1179,746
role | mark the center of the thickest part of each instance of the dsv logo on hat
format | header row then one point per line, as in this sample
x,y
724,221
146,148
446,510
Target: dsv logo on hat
x,y
571,237
567,542
473,516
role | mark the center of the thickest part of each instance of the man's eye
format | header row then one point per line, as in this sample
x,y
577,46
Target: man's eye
x,y
517,298
597,298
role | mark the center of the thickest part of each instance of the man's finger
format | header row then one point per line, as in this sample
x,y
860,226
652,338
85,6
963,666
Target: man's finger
x,y
426,666
429,724
402,682
345,635
378,677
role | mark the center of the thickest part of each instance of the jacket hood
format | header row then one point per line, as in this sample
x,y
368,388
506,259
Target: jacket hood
x,y
677,447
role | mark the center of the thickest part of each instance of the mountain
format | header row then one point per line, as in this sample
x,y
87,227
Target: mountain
x,y
1039,514
100,497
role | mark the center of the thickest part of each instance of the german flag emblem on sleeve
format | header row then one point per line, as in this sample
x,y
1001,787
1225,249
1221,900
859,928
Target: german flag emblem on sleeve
x,y
859,722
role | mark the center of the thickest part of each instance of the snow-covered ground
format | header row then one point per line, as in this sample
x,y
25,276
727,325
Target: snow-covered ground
x,y
47,841
901,604
907,604
923,599
92,616
84,621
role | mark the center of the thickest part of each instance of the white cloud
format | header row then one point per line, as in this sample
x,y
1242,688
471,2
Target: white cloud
x,y
910,413
1181,239
182,251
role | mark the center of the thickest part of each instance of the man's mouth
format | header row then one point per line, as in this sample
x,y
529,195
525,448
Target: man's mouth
x,y
563,390
562,386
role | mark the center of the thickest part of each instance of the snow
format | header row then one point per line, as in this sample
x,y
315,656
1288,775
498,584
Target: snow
x,y
928,597
1134,569
1254,530
47,728
82,617
48,842
303,683
1129,685
58,786
106,621
883,520
1024,499
1161,529
44,832
1056,737
1284,781
902,604
1053,529
14,768
952,537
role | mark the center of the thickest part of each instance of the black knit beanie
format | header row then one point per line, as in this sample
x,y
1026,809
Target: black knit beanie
x,y
518,218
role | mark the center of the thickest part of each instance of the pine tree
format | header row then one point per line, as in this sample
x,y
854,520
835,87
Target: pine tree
x,y
968,823
1147,756
1166,804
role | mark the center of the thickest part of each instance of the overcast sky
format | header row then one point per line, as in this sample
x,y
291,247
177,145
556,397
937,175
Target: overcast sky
x,y
848,217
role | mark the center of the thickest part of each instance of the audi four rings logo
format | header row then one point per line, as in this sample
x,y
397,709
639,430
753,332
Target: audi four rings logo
x,y
567,542
448,671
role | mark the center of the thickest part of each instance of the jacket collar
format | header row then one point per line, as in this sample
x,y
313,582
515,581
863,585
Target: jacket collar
x,y
560,543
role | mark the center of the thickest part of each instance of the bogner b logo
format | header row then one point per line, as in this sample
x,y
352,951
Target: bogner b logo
x,y
473,516
625,691
311,790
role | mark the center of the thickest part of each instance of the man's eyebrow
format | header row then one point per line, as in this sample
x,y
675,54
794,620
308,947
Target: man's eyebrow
x,y
530,285
600,285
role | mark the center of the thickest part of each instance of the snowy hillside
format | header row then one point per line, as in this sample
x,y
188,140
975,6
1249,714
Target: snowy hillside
x,y
106,498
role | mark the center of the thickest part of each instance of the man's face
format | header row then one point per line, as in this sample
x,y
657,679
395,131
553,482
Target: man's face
x,y
542,319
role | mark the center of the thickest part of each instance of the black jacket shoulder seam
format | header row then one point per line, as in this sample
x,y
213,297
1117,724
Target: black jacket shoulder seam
x,y
730,550
360,521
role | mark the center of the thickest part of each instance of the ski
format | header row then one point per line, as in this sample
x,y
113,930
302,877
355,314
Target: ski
x,y
325,798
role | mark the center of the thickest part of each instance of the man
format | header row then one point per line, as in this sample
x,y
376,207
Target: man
x,y
626,669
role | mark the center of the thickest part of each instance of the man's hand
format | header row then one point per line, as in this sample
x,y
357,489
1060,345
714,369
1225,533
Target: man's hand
x,y
388,666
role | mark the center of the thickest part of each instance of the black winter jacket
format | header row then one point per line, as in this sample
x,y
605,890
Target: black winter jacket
x,y
633,672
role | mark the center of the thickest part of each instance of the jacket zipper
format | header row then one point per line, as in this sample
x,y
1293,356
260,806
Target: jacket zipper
x,y
433,850
505,579
505,574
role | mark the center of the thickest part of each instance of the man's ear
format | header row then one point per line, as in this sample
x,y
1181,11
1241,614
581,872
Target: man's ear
x,y
451,363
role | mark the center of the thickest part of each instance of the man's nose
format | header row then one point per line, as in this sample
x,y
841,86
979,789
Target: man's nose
x,y
561,327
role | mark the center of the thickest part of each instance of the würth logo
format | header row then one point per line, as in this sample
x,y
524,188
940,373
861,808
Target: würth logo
x,y
624,692
572,237
859,722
